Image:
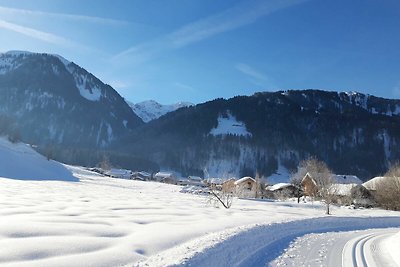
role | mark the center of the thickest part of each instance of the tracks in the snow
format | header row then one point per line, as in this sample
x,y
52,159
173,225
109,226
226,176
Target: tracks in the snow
x,y
365,250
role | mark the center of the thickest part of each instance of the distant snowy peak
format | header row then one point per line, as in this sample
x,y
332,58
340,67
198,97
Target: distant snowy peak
x,y
151,110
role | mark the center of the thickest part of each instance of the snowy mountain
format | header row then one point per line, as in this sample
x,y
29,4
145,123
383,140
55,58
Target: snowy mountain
x,y
51,100
151,110
271,132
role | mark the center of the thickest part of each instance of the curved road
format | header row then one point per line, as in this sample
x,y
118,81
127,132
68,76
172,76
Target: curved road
x,y
366,249
309,242
347,249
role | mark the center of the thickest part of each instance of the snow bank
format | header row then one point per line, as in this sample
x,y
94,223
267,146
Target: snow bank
x,y
393,247
20,161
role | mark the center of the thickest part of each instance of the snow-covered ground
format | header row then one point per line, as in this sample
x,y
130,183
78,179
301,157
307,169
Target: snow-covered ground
x,y
20,161
228,124
102,221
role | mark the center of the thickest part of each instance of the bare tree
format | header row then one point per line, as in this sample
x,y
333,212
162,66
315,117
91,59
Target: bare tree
x,y
218,194
388,189
220,197
323,179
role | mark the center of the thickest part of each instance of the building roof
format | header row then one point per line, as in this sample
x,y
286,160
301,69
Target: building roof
x,y
143,173
372,184
214,181
195,178
244,179
119,171
164,174
346,179
339,179
342,189
278,186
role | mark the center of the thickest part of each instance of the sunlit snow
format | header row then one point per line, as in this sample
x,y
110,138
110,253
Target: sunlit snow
x,y
230,125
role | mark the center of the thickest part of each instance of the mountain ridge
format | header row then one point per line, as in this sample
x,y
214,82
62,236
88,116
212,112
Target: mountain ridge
x,y
52,102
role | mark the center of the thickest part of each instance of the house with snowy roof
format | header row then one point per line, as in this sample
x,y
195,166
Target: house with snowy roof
x,y
166,177
141,176
340,183
119,173
246,187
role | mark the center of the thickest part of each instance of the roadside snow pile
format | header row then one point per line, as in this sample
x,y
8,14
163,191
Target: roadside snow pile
x,y
393,247
20,161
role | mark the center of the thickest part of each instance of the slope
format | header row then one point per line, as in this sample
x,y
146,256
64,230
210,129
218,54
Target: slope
x,y
354,133
20,161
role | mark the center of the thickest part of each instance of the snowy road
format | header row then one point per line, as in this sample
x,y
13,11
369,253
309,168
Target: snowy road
x,y
347,249
367,249
319,242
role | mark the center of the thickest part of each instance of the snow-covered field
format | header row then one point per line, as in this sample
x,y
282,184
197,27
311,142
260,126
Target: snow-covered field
x,y
110,222
101,221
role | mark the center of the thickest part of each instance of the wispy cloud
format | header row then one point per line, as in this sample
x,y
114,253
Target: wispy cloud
x,y
184,86
250,71
36,34
239,15
255,76
92,19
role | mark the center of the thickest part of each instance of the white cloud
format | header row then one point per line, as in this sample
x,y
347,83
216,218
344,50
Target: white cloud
x,y
240,15
250,71
255,76
27,12
36,34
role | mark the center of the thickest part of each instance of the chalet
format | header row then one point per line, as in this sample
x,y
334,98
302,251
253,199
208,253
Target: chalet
x,y
309,185
228,186
141,176
373,184
119,173
166,177
215,183
281,190
246,187
340,183
362,196
195,180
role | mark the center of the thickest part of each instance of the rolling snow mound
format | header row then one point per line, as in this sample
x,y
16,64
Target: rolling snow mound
x,y
21,162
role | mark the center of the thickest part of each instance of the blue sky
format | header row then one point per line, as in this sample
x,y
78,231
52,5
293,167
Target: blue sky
x,y
198,50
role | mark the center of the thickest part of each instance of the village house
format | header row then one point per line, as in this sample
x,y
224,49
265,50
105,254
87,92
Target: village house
x,y
228,186
215,183
281,191
246,187
141,176
119,173
311,188
195,180
166,177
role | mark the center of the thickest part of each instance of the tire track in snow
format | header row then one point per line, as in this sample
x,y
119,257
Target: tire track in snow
x,y
364,250
260,245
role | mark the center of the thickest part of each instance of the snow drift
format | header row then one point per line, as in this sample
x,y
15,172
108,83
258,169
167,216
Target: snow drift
x,y
20,161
